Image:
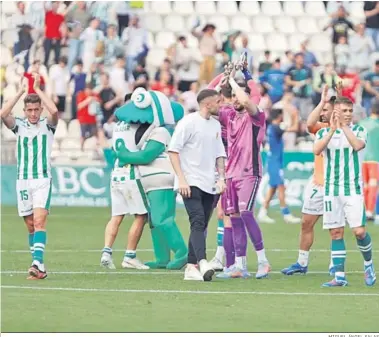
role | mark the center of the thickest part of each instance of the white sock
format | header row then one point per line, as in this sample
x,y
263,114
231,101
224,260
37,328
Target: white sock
x,y
220,253
241,262
303,258
261,256
39,265
262,211
367,263
340,274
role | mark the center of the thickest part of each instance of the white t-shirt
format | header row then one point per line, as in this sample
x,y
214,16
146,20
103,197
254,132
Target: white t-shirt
x,y
59,77
198,142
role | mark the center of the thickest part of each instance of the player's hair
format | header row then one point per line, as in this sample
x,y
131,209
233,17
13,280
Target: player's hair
x,y
332,100
343,100
275,113
32,98
204,94
227,91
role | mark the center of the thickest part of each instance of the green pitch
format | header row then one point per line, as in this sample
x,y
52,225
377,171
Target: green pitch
x,y
79,296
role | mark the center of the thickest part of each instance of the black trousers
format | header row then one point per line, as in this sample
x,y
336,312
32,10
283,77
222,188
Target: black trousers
x,y
199,209
123,22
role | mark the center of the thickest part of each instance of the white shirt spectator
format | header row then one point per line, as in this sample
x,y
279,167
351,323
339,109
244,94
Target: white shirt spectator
x,y
360,49
342,52
198,142
117,81
90,37
134,38
188,61
59,78
189,99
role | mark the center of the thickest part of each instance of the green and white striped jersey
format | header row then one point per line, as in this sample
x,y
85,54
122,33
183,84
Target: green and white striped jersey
x,y
124,134
34,145
343,165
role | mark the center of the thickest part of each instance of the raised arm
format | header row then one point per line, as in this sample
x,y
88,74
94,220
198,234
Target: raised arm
x,y
322,139
314,116
52,117
6,111
216,81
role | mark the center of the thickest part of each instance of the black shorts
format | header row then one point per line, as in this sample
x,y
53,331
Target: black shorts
x,y
61,106
184,86
88,130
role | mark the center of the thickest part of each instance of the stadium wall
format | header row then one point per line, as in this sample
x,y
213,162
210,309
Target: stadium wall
x,y
89,186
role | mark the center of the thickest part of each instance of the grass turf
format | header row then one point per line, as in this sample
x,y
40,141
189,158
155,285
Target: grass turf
x,y
85,298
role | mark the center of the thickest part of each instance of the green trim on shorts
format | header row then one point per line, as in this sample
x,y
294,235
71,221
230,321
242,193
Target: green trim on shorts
x,y
154,174
143,195
47,206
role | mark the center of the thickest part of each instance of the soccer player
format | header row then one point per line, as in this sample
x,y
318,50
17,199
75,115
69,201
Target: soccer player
x,y
371,161
225,246
195,149
342,146
275,165
245,125
35,136
313,206
125,199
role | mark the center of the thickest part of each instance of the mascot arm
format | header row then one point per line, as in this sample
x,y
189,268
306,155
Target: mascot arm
x,y
152,150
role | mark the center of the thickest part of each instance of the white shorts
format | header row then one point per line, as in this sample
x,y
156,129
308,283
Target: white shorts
x,y
127,196
33,193
341,208
313,199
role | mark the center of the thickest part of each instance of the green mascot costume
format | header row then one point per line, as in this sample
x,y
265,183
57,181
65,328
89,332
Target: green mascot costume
x,y
155,115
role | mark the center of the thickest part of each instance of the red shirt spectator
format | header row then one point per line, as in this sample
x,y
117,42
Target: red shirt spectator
x,y
30,78
351,83
53,22
83,114
165,88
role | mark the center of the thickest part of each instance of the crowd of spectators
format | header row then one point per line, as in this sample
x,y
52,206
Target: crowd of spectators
x,y
92,59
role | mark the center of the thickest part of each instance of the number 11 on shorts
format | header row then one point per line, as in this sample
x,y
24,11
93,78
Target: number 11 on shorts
x,y
328,206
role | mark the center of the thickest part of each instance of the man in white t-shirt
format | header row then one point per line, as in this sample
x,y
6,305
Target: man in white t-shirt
x,y
59,79
195,149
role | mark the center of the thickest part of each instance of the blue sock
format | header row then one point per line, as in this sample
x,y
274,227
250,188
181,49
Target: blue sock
x,y
339,256
285,210
220,233
39,240
365,247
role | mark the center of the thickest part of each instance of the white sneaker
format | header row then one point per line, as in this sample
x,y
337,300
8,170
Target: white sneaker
x,y
133,264
106,261
206,270
192,273
369,214
216,264
263,217
289,218
263,269
376,219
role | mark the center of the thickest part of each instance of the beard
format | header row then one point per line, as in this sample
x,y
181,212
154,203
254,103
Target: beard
x,y
239,107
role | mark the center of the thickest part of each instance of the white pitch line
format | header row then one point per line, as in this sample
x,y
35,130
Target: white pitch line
x,y
147,272
151,250
192,292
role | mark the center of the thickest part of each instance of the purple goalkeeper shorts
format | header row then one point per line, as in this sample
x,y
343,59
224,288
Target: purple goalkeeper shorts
x,y
240,194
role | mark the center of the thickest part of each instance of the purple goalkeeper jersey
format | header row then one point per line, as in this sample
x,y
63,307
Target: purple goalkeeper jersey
x,y
245,134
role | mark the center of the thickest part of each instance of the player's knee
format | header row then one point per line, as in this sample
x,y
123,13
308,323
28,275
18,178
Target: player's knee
x,y
359,232
336,233
29,222
39,222
220,213
235,215
140,220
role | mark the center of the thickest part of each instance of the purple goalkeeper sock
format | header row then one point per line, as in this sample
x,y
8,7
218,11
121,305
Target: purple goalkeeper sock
x,y
253,230
229,246
239,236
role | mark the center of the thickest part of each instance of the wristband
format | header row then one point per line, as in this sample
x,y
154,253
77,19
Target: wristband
x,y
246,73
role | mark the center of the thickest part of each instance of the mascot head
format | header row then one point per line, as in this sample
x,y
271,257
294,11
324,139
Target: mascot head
x,y
150,107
